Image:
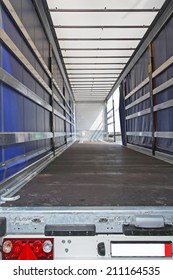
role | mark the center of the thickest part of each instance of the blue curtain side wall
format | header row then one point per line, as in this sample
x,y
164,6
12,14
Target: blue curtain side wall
x,y
18,113
162,51
138,124
164,123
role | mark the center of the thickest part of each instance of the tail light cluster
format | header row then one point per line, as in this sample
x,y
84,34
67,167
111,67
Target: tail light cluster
x,y
27,249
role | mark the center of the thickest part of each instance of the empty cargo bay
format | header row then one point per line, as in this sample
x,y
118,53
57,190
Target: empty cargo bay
x,y
97,174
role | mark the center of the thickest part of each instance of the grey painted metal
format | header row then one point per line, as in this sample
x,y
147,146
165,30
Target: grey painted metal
x,y
40,8
163,105
9,43
163,67
10,138
164,134
104,10
22,29
134,133
15,84
163,86
141,85
156,26
139,100
138,114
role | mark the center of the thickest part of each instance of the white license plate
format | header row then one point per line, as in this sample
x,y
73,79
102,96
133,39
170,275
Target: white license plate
x,y
141,249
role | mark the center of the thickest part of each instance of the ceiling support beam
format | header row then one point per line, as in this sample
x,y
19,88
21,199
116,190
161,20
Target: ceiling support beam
x,y
101,26
93,78
85,74
92,69
98,49
86,57
96,63
99,39
105,10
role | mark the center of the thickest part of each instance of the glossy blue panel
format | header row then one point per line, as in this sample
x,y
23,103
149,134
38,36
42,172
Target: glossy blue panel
x,y
13,168
13,110
13,151
11,65
30,146
1,173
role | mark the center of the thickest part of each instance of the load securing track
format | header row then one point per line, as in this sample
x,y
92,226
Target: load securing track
x,y
91,174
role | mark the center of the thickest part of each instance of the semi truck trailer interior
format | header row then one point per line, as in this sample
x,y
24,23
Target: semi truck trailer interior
x,y
86,129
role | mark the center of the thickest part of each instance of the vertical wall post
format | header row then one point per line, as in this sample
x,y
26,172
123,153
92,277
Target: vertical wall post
x,y
65,115
124,105
52,99
113,111
106,121
150,70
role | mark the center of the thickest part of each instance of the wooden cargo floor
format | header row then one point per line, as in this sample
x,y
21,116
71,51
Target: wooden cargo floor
x,y
100,175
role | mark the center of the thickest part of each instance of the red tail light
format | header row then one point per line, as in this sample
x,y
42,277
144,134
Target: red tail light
x,y
27,249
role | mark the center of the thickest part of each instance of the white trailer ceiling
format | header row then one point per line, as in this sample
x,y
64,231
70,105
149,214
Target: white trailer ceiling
x,y
97,38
